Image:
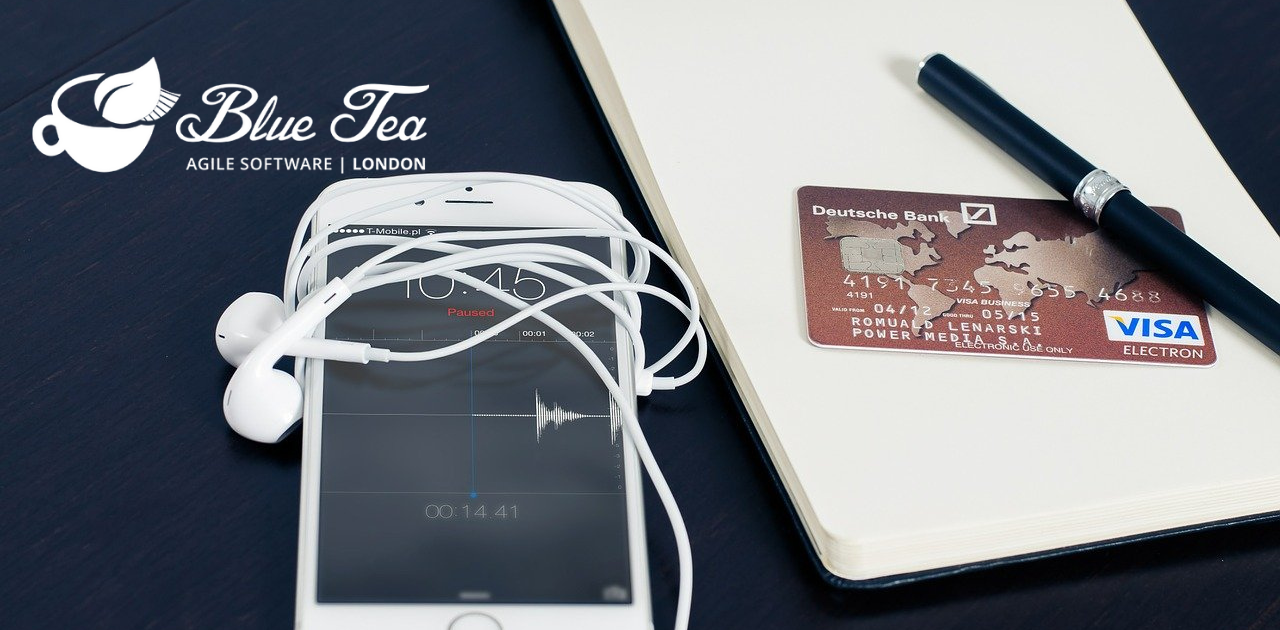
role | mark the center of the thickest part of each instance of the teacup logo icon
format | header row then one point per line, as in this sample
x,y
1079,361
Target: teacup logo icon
x,y
129,104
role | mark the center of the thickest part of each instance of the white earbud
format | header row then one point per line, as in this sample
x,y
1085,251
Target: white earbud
x,y
262,403
254,316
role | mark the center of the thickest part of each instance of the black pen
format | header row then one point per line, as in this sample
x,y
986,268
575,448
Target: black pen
x,y
1102,198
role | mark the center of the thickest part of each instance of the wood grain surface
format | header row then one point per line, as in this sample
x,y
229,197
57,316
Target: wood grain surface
x,y
125,502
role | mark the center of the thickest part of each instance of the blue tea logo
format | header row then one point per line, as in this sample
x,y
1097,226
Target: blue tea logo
x,y
1180,330
129,104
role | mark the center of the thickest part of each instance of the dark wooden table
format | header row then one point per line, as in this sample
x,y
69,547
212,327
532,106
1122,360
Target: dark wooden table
x,y
125,502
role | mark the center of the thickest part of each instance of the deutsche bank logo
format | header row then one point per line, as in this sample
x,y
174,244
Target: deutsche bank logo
x,y
978,213
1179,330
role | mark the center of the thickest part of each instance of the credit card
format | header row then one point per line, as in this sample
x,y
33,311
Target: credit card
x,y
991,276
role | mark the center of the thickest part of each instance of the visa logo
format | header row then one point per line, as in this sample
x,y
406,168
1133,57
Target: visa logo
x,y
1181,330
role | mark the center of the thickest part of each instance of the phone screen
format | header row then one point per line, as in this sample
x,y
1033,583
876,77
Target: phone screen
x,y
495,475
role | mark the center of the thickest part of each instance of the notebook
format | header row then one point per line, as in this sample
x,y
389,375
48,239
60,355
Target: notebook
x,y
901,465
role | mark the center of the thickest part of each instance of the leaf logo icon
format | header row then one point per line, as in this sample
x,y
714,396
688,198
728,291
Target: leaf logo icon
x,y
134,96
131,101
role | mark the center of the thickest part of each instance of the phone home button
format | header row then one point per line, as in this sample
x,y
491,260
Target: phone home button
x,y
475,621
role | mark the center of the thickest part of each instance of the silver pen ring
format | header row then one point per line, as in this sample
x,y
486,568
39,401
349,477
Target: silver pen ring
x,y
1094,191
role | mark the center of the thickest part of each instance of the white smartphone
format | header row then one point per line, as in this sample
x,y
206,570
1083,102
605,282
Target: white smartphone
x,y
495,488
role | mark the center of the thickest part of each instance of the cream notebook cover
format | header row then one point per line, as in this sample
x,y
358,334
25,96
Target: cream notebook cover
x,y
899,463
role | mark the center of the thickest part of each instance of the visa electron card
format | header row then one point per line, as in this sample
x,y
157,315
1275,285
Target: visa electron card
x,y
991,276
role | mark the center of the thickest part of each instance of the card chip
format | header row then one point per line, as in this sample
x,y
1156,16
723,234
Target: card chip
x,y
872,255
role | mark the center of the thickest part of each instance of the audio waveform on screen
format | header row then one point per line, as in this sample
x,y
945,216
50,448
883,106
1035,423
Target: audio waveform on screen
x,y
554,416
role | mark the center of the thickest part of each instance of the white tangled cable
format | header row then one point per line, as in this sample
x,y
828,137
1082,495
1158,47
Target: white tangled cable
x,y
615,292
